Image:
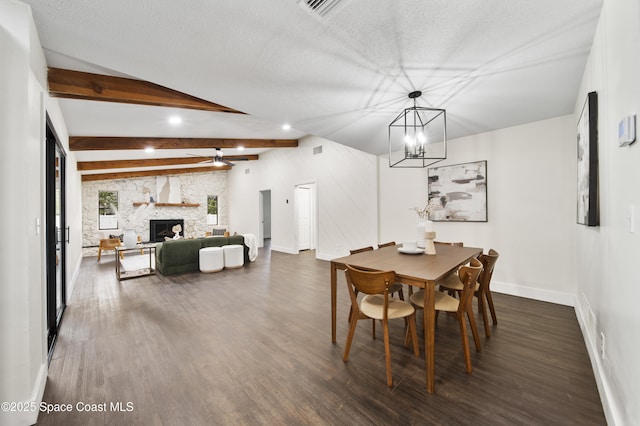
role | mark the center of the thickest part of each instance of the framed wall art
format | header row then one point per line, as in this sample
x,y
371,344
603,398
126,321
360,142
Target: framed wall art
x,y
458,193
587,208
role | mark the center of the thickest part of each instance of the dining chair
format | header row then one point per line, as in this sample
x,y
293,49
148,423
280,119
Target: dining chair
x,y
395,287
378,305
482,289
468,275
455,244
390,243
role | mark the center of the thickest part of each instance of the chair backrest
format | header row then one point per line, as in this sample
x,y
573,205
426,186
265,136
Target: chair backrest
x,y
468,275
390,243
455,244
360,250
488,263
369,282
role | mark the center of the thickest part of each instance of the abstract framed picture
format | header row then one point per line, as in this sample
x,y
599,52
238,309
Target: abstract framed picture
x,y
458,193
587,209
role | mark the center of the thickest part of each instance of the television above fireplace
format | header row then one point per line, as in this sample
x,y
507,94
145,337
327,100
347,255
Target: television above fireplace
x,y
161,228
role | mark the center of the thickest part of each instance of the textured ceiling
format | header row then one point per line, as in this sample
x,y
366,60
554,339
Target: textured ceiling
x,y
491,64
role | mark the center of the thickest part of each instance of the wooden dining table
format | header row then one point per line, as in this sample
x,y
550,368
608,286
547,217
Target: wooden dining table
x,y
418,270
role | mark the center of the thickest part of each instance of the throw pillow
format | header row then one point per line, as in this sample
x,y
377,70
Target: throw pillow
x,y
218,231
120,237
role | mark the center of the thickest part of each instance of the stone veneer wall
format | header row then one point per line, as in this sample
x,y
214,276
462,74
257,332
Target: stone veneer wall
x,y
194,187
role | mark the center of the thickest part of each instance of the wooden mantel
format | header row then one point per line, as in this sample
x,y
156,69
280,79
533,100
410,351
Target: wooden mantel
x,y
137,204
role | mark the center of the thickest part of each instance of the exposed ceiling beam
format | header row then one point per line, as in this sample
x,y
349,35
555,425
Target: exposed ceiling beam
x,y
154,162
93,143
96,87
127,175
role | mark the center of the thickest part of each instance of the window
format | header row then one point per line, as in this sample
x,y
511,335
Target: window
x,y
212,209
107,210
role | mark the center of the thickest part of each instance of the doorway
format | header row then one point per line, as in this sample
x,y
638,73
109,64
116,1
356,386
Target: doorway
x,y
57,234
305,198
265,218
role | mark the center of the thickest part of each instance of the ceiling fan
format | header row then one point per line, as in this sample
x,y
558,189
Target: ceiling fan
x,y
217,159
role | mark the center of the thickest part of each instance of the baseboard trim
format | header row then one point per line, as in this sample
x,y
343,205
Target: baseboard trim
x,y
74,278
29,417
612,411
543,295
287,250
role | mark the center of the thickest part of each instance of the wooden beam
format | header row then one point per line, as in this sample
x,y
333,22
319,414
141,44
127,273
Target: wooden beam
x,y
163,172
96,87
154,162
93,143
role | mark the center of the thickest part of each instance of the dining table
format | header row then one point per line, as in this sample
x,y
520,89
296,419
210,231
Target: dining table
x,y
415,269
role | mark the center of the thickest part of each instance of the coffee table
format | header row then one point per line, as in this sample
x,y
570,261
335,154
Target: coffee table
x,y
139,265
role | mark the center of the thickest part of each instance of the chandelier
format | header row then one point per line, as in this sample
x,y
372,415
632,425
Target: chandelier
x,y
418,136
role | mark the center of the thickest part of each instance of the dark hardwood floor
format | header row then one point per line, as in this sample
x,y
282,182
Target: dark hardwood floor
x,y
253,346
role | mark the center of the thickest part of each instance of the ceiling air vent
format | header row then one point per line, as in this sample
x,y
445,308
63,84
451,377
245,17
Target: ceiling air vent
x,y
322,8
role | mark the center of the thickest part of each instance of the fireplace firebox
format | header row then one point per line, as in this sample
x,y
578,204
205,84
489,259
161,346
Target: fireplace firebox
x,y
161,228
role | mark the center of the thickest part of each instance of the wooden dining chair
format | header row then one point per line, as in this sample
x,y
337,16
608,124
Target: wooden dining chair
x,y
455,244
396,287
482,290
390,243
468,275
360,250
378,305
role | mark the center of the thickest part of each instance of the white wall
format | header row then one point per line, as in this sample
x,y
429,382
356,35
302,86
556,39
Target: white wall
x,y
22,315
608,285
530,202
23,108
346,195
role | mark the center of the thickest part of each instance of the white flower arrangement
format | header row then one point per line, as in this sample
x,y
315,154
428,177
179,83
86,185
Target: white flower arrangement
x,y
432,205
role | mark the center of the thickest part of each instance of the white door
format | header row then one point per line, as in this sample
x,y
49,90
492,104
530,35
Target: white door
x,y
303,200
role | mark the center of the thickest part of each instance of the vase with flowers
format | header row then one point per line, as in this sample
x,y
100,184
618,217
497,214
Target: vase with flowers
x,y
424,225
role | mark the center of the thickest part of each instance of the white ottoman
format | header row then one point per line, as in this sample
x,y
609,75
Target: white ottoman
x,y
211,259
233,256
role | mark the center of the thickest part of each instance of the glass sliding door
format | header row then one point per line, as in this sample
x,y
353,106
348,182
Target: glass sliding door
x,y
56,235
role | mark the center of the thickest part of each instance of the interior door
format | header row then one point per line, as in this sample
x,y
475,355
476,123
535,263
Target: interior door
x,y
303,200
56,235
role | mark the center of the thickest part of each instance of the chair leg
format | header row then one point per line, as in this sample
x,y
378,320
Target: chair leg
x,y
355,290
373,328
474,330
401,294
352,331
99,253
414,335
483,311
491,308
387,352
465,344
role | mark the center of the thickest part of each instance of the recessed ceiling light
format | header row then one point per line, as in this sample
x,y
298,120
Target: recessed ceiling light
x,y
286,126
149,149
241,148
175,120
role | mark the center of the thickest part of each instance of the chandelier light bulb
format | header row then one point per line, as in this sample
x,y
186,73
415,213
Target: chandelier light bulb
x,y
421,138
409,140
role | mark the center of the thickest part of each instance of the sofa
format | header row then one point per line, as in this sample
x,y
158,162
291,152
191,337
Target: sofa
x,y
180,256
